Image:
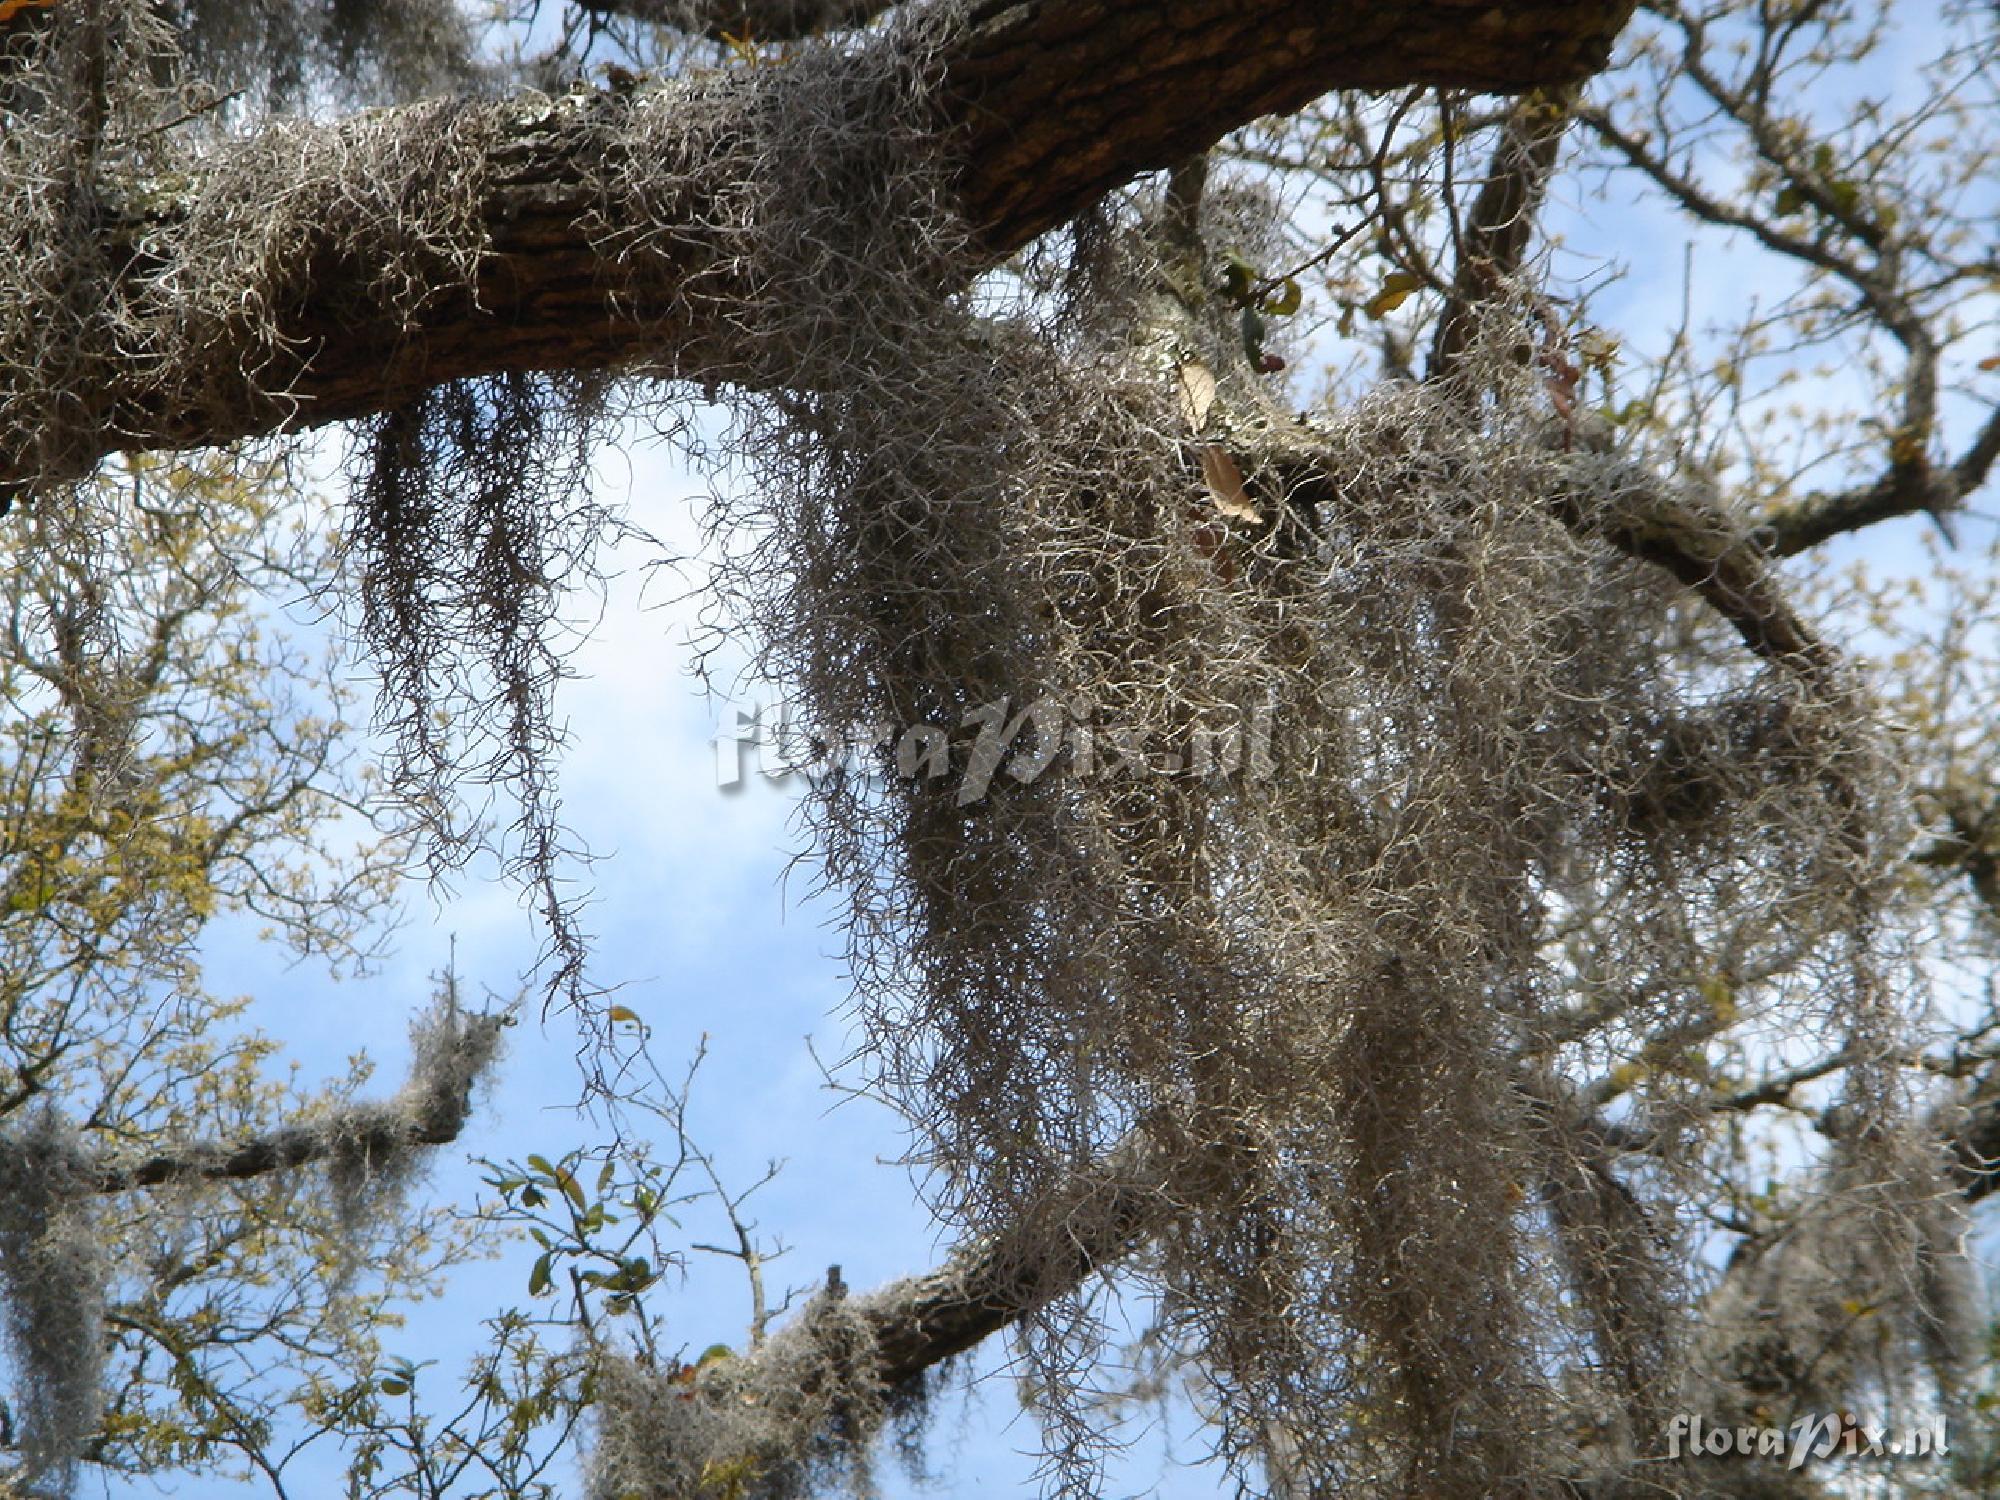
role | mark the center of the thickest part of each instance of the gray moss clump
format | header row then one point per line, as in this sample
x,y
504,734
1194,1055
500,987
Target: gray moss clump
x,y
53,1274
1866,1284
374,1151
1514,833
1524,823
798,1418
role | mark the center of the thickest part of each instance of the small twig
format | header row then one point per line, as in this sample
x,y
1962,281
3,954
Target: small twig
x,y
193,114
746,1249
1270,284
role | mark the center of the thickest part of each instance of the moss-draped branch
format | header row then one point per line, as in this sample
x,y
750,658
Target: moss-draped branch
x,y
1044,106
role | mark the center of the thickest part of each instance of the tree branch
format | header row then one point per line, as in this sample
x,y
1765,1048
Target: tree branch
x,y
371,1135
921,1321
1901,491
432,1108
1975,1146
1501,222
1046,106
745,20
1850,238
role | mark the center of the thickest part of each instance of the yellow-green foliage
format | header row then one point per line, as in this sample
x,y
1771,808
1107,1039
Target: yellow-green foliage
x,y
169,756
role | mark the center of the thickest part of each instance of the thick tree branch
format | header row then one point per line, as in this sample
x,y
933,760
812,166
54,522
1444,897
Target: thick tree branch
x,y
921,1321
745,20
1046,105
375,1135
1702,548
1654,521
1501,222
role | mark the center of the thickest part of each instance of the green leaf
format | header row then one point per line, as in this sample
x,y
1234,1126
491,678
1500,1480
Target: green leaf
x,y
539,1280
1253,335
1238,277
634,1275
572,1189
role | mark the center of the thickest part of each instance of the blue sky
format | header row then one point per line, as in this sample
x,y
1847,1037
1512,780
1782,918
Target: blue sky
x,y
710,934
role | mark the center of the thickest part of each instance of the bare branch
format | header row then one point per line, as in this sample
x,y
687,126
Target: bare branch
x,y
1975,1148
1779,1087
1973,843
1902,491
1502,219
921,1321
1847,230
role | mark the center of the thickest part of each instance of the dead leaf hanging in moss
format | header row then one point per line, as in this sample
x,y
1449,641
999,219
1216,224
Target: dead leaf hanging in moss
x,y
1225,484
1197,392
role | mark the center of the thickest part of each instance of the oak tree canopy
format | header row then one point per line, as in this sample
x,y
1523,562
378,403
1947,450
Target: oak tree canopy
x,y
1404,845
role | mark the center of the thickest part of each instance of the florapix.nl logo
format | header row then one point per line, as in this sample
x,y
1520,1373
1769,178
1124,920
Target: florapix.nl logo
x,y
1044,736
1826,1436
